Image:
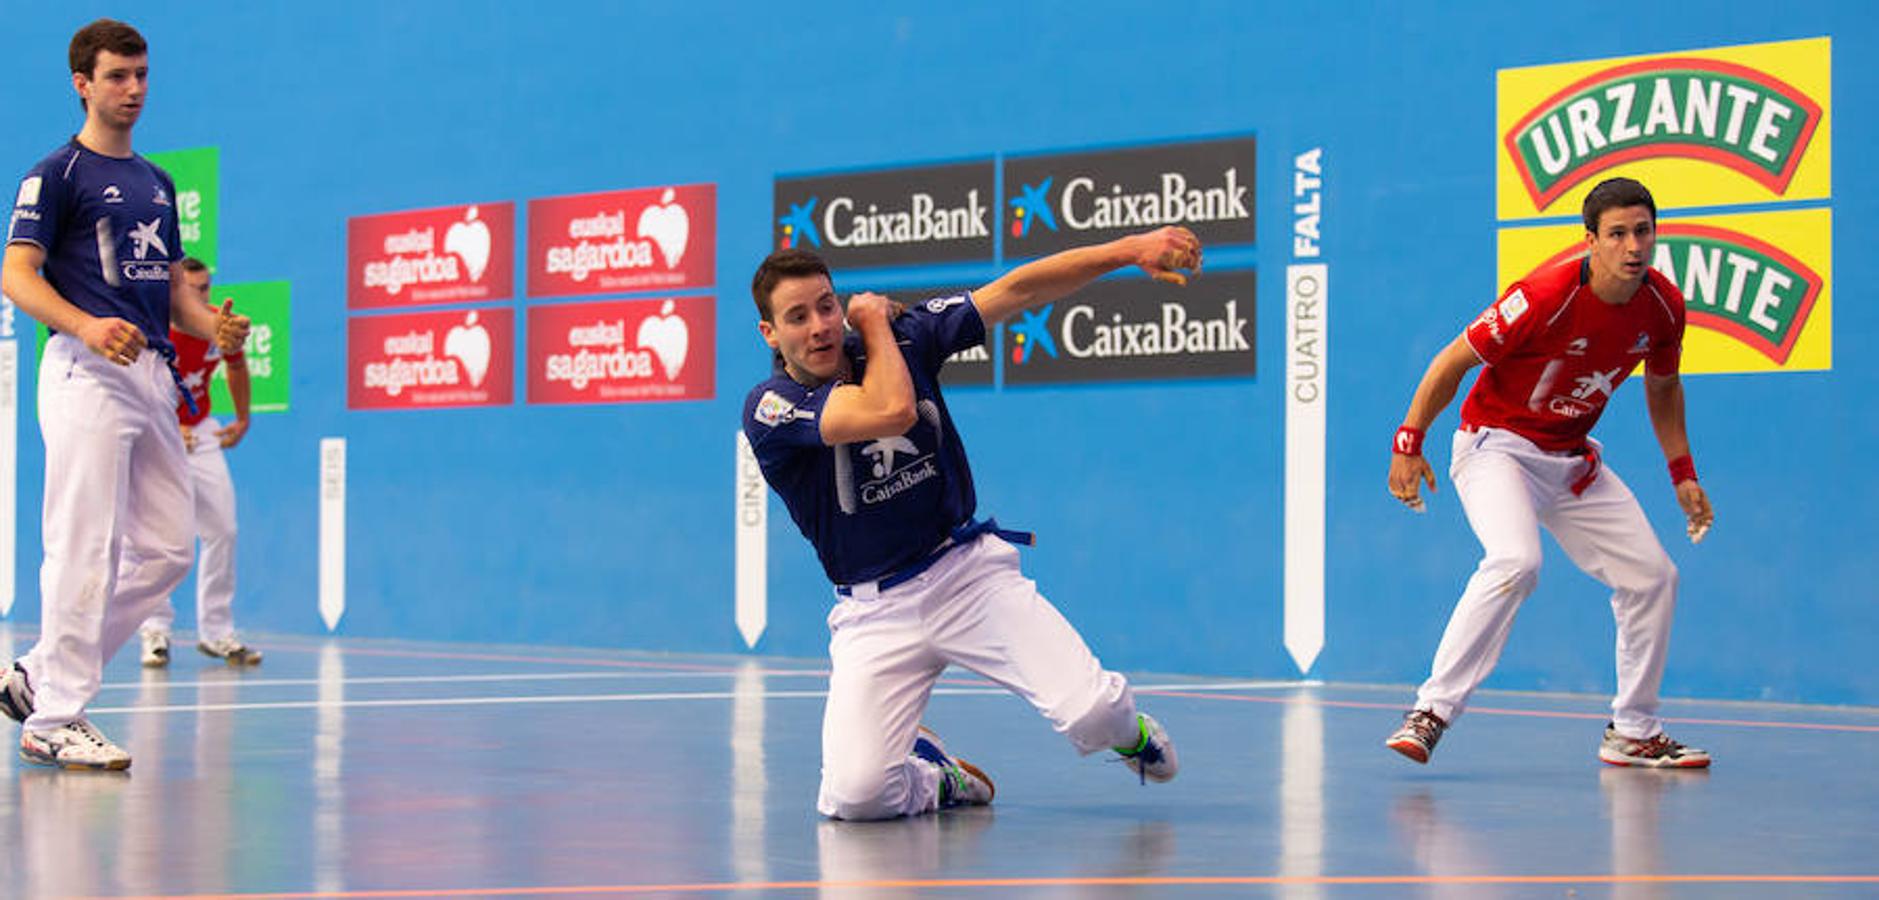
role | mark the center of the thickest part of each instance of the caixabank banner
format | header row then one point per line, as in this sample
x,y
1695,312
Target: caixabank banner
x,y
921,215
622,351
431,359
1131,329
1757,286
453,254
1747,124
1061,200
647,239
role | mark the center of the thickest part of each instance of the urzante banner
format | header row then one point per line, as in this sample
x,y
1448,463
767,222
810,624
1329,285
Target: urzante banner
x,y
890,217
1063,200
660,238
452,254
622,351
1757,286
1746,124
197,173
431,359
1136,329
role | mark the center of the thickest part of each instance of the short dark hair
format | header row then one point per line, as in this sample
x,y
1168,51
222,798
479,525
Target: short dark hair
x,y
1616,193
792,263
192,264
104,34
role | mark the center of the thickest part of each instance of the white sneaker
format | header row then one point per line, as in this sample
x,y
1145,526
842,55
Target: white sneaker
x,y
156,645
961,783
232,651
1152,757
79,745
1658,752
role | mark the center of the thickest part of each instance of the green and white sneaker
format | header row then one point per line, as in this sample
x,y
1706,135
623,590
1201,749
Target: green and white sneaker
x,y
1152,757
961,783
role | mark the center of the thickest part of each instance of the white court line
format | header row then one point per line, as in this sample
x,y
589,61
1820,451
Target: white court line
x,y
601,698
244,681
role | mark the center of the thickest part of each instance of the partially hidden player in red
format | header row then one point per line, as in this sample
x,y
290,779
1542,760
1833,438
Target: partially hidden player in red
x,y
1555,347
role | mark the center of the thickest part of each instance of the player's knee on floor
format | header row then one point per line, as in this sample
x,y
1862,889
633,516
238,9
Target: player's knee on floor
x,y
865,796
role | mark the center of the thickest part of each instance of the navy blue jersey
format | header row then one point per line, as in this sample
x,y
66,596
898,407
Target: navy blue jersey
x,y
872,507
108,227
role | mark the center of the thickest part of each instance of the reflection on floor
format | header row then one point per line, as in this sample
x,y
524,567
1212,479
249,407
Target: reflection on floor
x,y
371,768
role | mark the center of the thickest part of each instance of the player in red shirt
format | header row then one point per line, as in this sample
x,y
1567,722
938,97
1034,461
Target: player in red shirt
x,y
1556,346
214,491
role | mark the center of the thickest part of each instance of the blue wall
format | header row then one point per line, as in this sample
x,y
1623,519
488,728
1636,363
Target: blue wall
x,y
608,525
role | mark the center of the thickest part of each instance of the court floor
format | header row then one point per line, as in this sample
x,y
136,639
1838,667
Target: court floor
x,y
363,768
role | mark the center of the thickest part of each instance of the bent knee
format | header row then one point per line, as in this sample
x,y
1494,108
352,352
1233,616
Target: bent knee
x,y
1515,570
862,797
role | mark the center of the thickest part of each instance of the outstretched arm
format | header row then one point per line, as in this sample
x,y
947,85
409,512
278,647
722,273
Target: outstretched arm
x,y
1663,397
1160,253
1408,469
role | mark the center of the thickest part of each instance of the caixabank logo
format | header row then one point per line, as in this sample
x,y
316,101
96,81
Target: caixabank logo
x,y
1747,124
1757,287
1133,330
1063,200
890,217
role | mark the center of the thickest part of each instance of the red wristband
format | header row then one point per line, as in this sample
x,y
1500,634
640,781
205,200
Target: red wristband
x,y
1682,469
1408,441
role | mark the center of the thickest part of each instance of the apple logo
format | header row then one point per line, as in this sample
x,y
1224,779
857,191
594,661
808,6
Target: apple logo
x,y
469,343
668,226
469,239
666,335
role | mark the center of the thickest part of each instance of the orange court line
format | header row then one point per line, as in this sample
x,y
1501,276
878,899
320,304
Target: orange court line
x,y
1494,711
1118,881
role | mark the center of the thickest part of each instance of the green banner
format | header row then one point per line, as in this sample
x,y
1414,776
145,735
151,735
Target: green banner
x,y
268,349
197,173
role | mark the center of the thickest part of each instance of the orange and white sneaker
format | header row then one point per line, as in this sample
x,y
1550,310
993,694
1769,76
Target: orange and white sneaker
x,y
1417,738
1658,752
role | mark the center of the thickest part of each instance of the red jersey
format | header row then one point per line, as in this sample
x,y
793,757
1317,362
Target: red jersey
x,y
1555,352
195,361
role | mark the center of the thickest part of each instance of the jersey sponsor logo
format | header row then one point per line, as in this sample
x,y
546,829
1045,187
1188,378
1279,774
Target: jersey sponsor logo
x,y
1595,383
112,194
29,191
1718,125
1570,407
1512,306
939,305
913,215
449,254
162,197
773,410
641,239
1641,346
1061,200
621,351
1577,346
144,237
897,466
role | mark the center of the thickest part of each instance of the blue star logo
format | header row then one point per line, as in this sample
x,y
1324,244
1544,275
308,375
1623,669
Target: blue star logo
x,y
1031,206
800,224
1032,332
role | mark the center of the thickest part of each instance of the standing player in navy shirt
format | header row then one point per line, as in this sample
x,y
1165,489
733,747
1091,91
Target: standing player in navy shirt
x,y
93,252
852,432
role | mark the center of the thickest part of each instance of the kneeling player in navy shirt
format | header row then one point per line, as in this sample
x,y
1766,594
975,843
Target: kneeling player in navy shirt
x,y
852,432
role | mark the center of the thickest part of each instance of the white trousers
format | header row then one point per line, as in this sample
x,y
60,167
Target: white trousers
x,y
215,527
117,518
974,609
1509,489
